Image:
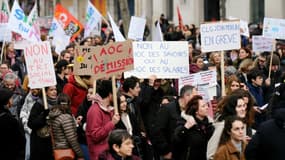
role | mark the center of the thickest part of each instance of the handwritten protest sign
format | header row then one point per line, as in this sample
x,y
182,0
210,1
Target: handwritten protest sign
x,y
104,61
262,44
274,28
39,65
220,36
163,59
136,29
205,82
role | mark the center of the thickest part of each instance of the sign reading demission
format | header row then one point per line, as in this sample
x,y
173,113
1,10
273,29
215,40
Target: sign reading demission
x,y
163,59
220,36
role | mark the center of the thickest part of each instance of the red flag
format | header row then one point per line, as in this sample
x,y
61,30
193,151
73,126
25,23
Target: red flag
x,y
71,25
180,18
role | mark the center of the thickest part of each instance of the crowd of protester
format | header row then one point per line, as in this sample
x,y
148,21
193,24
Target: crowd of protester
x,y
155,119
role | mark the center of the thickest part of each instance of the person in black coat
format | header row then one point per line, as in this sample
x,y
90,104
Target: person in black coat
x,y
163,130
12,136
268,142
41,147
194,130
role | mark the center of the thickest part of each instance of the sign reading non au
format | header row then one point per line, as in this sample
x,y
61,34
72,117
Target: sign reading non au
x,y
39,65
104,61
163,59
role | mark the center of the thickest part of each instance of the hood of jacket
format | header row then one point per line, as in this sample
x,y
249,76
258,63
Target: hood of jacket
x,y
54,112
76,80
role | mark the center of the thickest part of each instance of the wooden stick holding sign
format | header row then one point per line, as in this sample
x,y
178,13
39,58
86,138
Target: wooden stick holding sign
x,y
271,57
2,50
45,98
114,88
223,74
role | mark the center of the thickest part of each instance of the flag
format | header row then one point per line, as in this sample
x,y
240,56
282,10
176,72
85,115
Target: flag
x,y
93,21
6,34
5,11
34,33
60,39
118,35
180,18
71,26
21,24
157,36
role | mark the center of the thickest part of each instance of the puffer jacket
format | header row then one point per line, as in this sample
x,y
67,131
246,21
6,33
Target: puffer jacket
x,y
64,131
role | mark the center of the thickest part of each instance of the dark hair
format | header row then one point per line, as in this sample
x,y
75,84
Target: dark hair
x,y
130,83
117,136
249,119
104,88
169,98
193,105
62,53
195,59
229,106
70,46
247,50
186,88
253,74
119,95
225,137
63,103
61,65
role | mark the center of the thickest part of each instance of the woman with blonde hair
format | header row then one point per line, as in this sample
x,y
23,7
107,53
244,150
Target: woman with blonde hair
x,y
232,83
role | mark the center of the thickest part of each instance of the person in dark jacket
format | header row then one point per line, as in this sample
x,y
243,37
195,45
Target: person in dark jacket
x,y
63,126
61,71
120,146
166,122
41,147
195,130
12,137
268,142
81,122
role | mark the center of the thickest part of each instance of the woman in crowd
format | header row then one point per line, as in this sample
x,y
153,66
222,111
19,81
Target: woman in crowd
x,y
195,130
129,123
244,53
233,105
232,84
41,147
63,126
232,144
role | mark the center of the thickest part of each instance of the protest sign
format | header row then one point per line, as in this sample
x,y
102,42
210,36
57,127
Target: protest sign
x,y
157,34
93,21
243,26
274,28
39,65
201,80
103,61
262,44
220,36
6,34
71,25
117,34
136,29
163,59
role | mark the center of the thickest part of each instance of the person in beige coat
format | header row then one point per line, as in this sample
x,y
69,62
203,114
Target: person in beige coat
x,y
232,145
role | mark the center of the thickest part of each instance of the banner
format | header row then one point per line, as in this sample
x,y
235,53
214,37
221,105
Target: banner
x,y
104,61
262,44
136,29
117,34
70,25
274,28
39,65
163,59
220,36
21,24
93,21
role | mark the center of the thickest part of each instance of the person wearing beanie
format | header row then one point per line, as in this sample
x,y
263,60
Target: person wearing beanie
x,y
274,79
12,138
